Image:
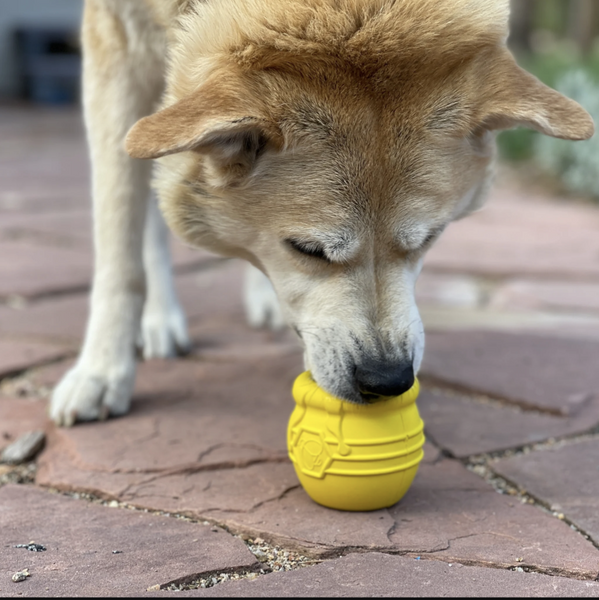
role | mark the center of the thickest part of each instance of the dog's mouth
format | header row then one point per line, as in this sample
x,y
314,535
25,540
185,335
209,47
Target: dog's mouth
x,y
370,398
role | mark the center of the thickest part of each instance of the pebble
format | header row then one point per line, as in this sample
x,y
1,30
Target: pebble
x,y
32,546
21,575
24,448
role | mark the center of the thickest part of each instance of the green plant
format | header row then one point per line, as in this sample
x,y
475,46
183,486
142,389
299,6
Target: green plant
x,y
575,164
550,67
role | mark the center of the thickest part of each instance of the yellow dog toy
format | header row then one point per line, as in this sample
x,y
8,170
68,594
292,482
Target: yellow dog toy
x,y
350,456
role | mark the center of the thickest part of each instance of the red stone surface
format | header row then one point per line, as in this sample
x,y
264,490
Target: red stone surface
x,y
187,417
448,289
17,355
94,550
551,374
573,296
19,416
516,234
449,514
472,425
208,440
30,269
563,477
376,575
60,318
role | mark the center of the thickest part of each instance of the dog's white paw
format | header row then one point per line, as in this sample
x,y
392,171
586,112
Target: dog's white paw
x,y
87,394
164,331
262,306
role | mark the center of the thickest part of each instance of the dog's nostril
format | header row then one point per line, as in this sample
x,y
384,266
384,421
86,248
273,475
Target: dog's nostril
x,y
375,383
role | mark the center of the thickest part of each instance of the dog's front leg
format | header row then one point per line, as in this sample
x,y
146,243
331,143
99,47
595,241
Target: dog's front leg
x,y
122,80
163,325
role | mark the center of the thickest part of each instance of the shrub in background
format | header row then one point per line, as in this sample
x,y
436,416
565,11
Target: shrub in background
x,y
576,165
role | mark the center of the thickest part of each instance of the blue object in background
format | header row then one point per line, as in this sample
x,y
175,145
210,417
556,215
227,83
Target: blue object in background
x,y
49,64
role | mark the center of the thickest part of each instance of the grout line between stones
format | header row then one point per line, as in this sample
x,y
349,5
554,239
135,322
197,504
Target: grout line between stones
x,y
437,385
482,465
20,372
19,301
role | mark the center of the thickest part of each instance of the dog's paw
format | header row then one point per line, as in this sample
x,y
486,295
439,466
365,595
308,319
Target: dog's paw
x,y
262,306
164,331
85,394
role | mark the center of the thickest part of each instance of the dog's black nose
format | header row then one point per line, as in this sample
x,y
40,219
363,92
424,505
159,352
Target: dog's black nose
x,y
376,382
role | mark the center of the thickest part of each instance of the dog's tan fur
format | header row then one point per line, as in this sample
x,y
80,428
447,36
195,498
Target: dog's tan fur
x,y
355,129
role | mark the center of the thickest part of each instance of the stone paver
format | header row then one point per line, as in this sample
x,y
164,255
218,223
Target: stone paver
x,y
16,355
565,325
377,575
573,296
187,418
19,416
564,478
518,234
211,297
72,229
31,270
44,162
464,426
449,514
60,228
61,318
91,549
547,373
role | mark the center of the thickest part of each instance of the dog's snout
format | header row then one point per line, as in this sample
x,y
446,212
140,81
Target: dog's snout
x,y
377,382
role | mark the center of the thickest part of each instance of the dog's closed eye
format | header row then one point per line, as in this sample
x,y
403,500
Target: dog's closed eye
x,y
430,238
313,249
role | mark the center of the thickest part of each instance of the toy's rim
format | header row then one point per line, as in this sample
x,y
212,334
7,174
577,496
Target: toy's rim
x,y
306,392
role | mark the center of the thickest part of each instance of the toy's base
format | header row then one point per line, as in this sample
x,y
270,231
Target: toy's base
x,y
363,493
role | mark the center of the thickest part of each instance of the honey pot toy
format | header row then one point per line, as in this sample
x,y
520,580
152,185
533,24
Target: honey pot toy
x,y
356,457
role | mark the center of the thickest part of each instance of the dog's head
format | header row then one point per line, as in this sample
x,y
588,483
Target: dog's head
x,y
330,143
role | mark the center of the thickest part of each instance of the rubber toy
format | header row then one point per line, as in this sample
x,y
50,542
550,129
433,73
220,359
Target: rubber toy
x,y
356,457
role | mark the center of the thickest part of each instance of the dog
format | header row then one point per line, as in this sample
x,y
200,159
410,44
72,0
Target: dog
x,y
326,142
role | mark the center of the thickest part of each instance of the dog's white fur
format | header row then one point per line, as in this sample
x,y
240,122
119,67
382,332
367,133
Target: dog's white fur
x,y
278,140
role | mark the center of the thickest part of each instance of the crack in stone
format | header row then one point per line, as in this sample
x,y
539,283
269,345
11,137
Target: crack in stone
x,y
220,445
186,469
391,529
432,383
192,469
455,539
255,506
43,362
279,497
150,436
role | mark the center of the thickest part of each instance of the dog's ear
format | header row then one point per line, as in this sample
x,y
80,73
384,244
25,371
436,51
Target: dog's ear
x,y
228,128
515,98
